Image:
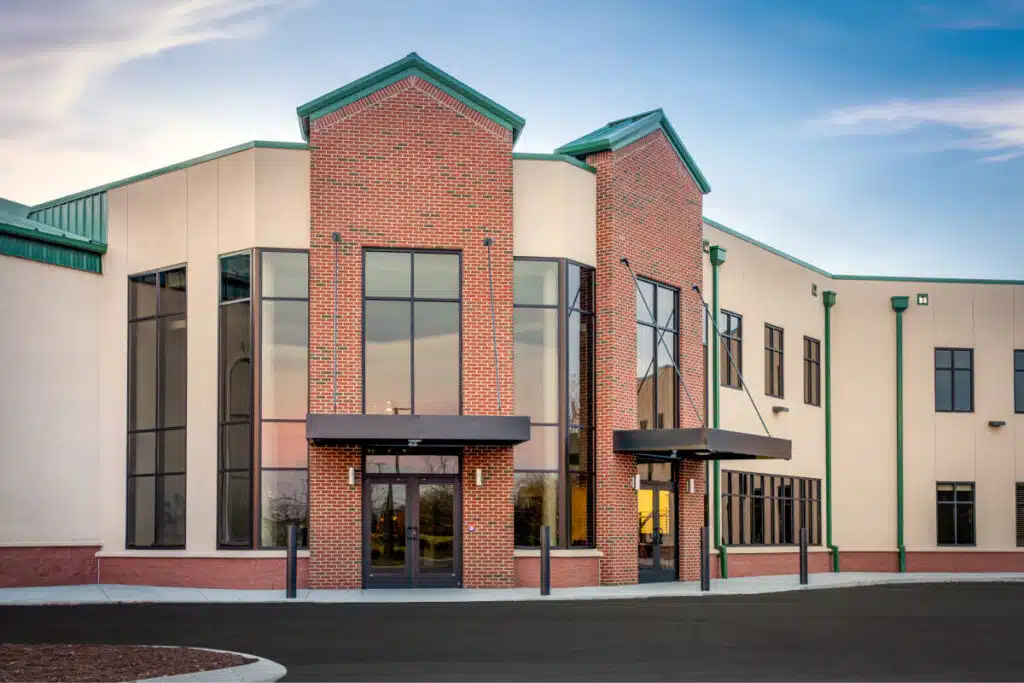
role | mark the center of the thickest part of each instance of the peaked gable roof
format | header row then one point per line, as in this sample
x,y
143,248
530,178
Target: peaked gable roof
x,y
410,65
621,132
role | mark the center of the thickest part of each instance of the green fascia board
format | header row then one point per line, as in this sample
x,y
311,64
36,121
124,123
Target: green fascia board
x,y
53,254
410,65
41,232
253,144
621,132
530,156
868,278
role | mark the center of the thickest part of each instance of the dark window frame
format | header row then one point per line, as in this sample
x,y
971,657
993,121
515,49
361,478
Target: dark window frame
x,y
157,476
411,300
729,376
1018,372
659,332
258,420
786,504
812,371
957,485
1019,505
253,420
952,370
771,382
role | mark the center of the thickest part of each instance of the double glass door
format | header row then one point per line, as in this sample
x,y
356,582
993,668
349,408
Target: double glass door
x,y
657,547
411,534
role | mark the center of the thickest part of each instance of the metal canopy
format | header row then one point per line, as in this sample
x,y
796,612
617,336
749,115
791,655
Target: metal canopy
x,y
418,430
700,444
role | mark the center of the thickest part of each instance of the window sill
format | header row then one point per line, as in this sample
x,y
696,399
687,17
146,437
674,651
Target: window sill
x,y
559,552
202,554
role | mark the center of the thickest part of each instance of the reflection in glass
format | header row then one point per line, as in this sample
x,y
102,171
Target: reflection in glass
x,y
436,528
541,452
581,449
171,444
436,357
285,500
645,303
388,274
285,274
666,383
666,529
388,372
536,505
412,464
536,363
235,277
645,377
579,370
666,307
142,494
284,444
235,497
387,526
172,292
645,508
235,362
142,296
285,353
142,367
536,282
436,276
579,509
171,523
173,371
142,453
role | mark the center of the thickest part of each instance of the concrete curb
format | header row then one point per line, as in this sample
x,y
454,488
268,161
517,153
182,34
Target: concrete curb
x,y
261,671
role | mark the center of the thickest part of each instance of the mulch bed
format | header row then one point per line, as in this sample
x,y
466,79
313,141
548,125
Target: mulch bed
x,y
106,662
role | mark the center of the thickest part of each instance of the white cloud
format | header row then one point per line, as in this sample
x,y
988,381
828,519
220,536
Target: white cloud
x,y
991,124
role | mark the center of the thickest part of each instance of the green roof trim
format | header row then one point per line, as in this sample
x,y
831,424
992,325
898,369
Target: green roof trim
x,y
410,65
253,144
54,254
868,278
530,156
27,228
621,132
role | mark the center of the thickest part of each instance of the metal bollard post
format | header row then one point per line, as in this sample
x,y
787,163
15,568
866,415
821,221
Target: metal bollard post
x,y
291,562
545,560
705,559
803,556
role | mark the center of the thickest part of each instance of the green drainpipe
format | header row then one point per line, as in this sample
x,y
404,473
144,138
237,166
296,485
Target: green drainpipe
x,y
717,259
899,304
830,301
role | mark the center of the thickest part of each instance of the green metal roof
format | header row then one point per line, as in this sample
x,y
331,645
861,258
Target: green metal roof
x,y
32,239
410,65
621,132
531,156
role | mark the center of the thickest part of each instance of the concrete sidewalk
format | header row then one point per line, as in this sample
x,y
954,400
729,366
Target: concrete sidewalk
x,y
754,585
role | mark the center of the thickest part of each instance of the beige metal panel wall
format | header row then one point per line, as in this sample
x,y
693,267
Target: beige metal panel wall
x,y
554,208
236,206
50,374
157,216
765,288
282,198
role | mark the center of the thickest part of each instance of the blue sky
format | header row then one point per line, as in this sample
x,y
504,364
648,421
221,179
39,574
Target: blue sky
x,y
866,137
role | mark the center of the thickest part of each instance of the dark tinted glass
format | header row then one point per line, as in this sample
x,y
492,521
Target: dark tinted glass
x,y
142,497
171,519
173,371
1018,360
285,274
536,363
962,390
541,452
585,300
964,493
142,453
579,370
285,500
579,509
944,493
536,505
172,292
142,296
142,371
536,282
172,450
436,350
943,390
572,285
236,446
964,524
412,464
946,525
667,410
962,359
1018,391
943,358
581,449
388,370
235,362
436,276
235,277
235,496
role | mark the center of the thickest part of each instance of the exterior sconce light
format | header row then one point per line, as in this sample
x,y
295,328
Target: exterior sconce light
x,y
691,486
996,423
780,409
351,476
479,477
636,482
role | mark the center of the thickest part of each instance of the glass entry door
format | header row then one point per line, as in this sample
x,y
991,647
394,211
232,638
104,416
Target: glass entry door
x,y
411,531
657,546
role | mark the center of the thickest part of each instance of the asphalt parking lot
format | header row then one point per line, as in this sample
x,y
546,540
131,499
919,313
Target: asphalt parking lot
x,y
914,632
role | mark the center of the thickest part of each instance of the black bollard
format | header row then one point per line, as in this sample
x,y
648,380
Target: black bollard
x,y
803,556
705,559
292,561
545,561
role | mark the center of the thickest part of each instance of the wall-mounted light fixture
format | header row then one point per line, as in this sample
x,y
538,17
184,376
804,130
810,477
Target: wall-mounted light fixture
x,y
780,409
814,290
351,476
996,423
691,486
636,482
479,477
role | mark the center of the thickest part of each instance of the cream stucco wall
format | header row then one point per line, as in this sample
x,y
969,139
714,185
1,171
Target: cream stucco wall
x,y
554,209
50,375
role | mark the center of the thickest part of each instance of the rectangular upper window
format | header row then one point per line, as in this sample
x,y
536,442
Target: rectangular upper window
x,y
1018,381
657,348
955,513
157,372
812,371
730,328
773,367
412,339
954,380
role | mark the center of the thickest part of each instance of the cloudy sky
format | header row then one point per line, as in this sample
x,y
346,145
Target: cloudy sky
x,y
875,137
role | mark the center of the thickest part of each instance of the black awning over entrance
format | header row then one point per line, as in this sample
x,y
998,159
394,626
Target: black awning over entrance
x,y
418,430
700,444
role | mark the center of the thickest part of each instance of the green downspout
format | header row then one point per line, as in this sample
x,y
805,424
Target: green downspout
x,y
717,259
899,304
830,301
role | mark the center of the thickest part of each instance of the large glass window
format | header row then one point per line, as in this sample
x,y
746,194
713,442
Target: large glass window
x,y
768,509
284,359
730,327
954,380
955,513
554,376
157,372
412,333
774,381
234,463
657,348
812,371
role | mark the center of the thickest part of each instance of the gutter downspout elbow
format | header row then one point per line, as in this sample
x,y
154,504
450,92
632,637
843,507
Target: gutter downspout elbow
x,y
829,299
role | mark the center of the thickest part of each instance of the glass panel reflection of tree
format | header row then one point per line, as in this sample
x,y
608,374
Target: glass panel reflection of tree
x,y
387,525
437,527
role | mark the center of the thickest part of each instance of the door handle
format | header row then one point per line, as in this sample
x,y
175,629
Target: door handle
x,y
414,533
